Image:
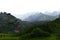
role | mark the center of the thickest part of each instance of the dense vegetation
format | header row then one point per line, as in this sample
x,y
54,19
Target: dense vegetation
x,y
29,31
8,23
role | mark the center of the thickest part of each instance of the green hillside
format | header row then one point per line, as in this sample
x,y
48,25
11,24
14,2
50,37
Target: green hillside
x,y
12,28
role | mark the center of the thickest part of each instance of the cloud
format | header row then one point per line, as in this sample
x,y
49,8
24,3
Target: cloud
x,y
21,7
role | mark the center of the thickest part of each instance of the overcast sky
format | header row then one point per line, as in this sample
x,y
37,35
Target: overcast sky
x,y
21,7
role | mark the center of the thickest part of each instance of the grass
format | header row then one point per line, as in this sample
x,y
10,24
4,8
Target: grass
x,y
10,37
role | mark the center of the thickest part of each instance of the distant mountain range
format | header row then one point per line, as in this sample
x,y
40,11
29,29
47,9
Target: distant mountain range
x,y
40,17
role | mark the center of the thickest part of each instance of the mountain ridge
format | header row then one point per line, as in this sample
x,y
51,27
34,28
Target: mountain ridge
x,y
40,17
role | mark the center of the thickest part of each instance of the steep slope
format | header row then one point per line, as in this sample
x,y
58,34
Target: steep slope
x,y
40,17
8,22
56,26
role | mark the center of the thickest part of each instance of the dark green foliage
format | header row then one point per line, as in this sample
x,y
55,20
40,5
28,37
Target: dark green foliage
x,y
44,30
8,22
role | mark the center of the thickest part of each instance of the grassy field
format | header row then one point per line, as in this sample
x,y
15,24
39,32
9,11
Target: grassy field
x,y
8,37
11,37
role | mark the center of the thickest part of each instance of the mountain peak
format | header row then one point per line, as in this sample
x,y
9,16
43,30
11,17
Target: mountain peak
x,y
40,17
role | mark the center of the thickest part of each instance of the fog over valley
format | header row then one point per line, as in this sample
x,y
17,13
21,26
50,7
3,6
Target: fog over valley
x,y
27,14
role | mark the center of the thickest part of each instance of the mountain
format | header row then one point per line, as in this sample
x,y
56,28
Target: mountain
x,y
8,22
40,17
54,13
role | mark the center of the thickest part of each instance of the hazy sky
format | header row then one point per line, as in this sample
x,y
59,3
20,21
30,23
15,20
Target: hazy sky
x,y
20,7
